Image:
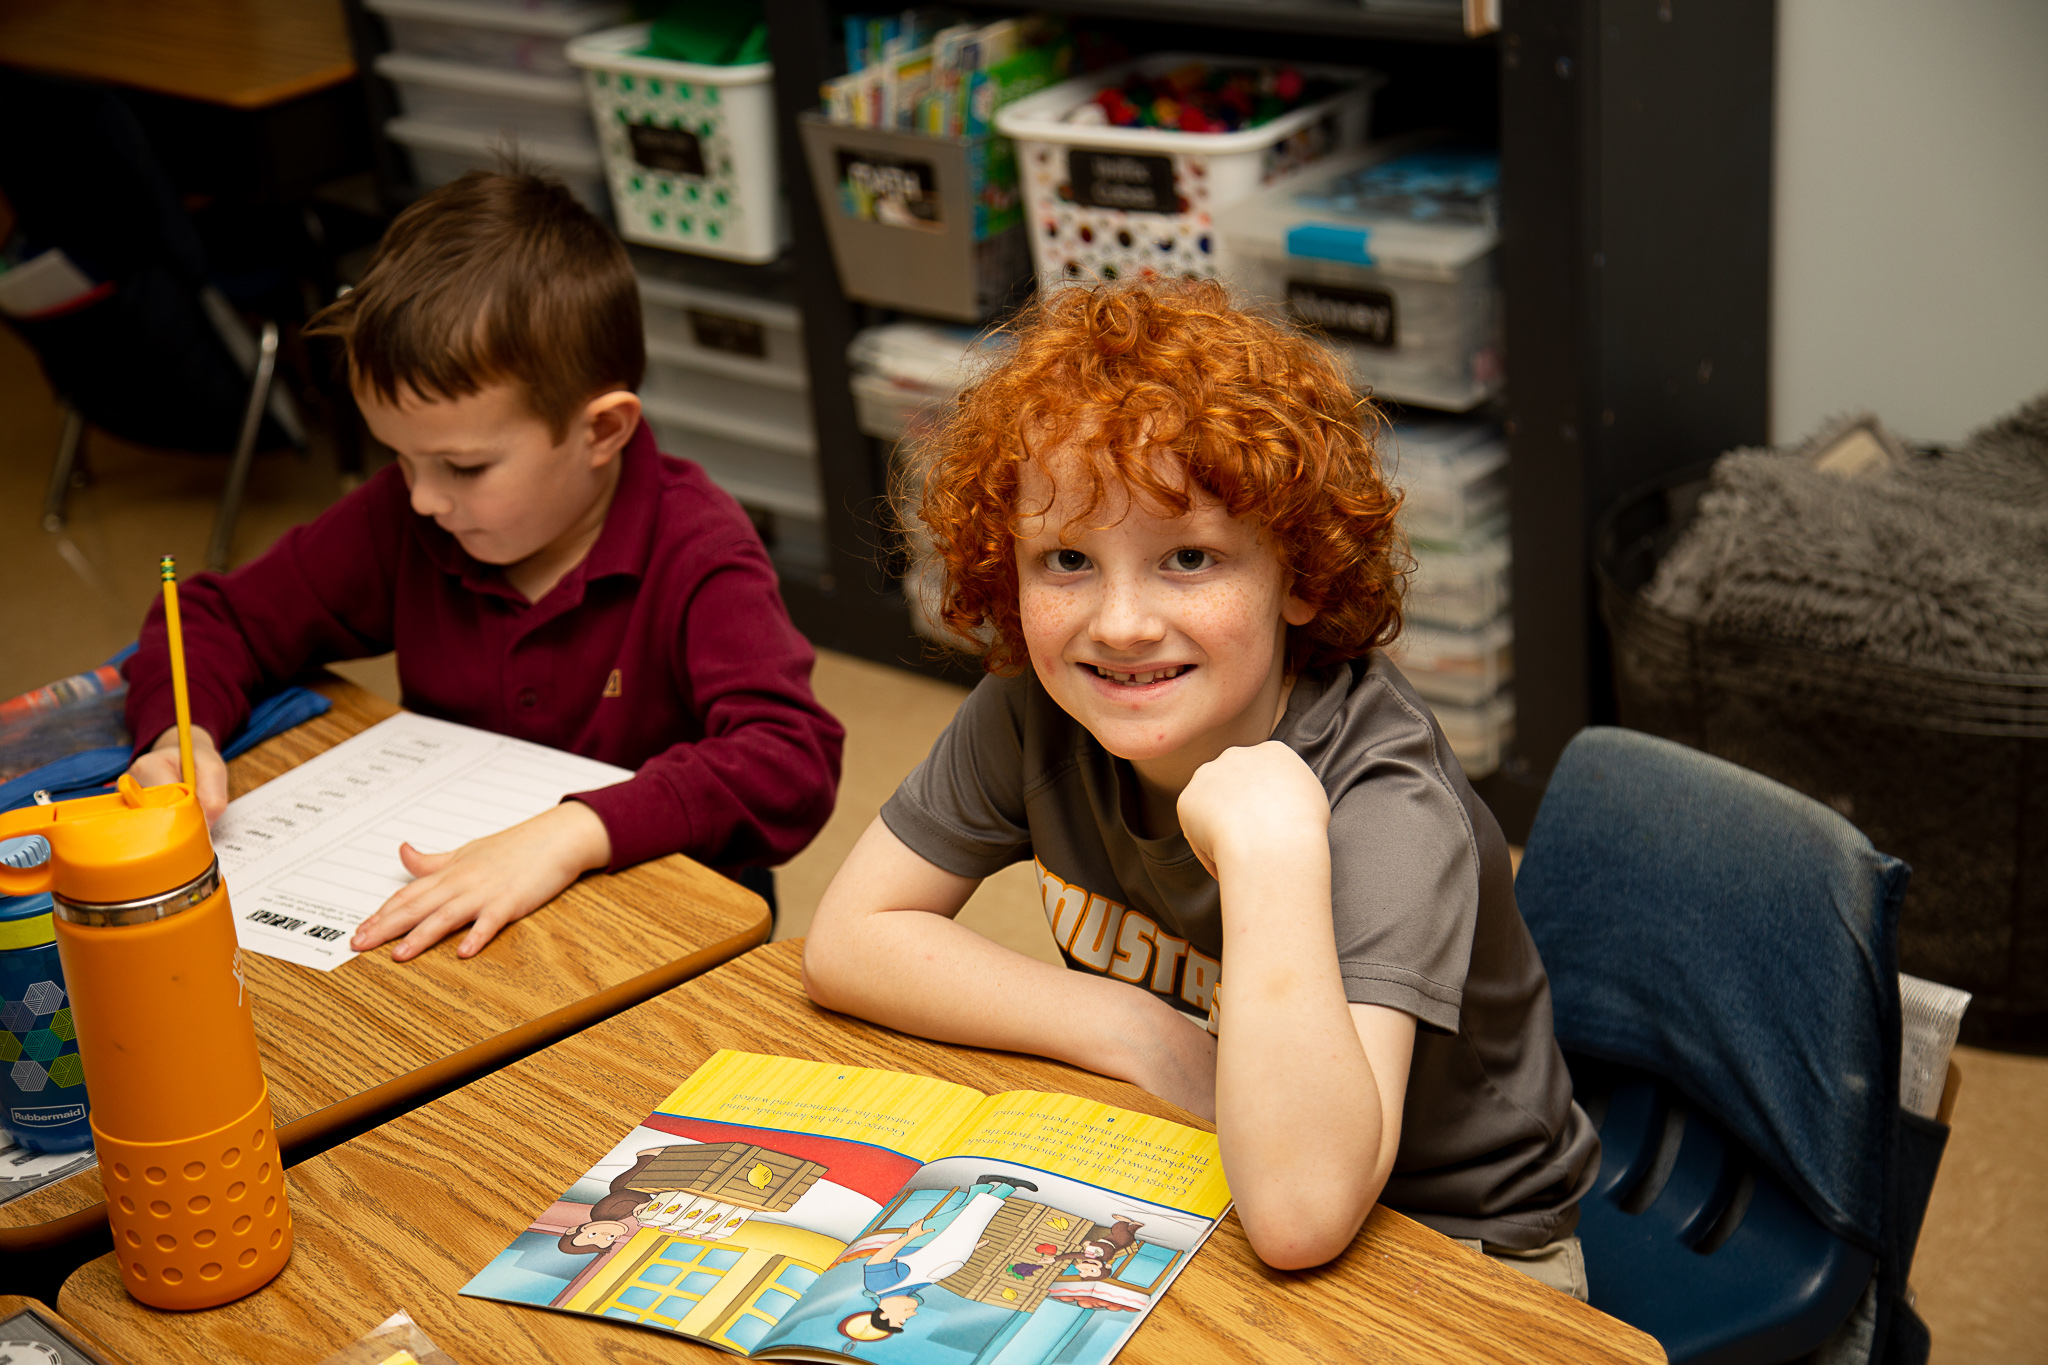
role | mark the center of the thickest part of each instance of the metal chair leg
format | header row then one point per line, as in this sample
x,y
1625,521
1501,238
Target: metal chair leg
x,y
234,334
245,453
61,472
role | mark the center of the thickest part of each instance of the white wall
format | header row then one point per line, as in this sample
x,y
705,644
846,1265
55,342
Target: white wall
x,y
1911,213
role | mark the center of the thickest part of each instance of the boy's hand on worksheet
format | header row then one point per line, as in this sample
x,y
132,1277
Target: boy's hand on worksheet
x,y
487,883
159,767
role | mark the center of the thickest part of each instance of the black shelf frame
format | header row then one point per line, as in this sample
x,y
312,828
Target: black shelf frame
x,y
1636,185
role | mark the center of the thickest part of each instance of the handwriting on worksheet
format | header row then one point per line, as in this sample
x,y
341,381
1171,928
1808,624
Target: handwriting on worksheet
x,y
309,856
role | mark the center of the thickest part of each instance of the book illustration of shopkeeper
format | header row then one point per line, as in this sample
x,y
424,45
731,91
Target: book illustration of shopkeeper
x,y
1091,1262
702,1190
893,1274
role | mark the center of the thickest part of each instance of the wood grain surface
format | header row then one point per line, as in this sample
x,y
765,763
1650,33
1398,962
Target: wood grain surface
x,y
247,54
403,1216
373,1034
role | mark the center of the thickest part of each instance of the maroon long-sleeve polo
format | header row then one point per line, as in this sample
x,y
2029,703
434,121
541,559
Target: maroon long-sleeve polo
x,y
667,650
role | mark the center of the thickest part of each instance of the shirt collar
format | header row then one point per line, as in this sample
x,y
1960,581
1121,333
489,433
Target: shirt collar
x,y
622,544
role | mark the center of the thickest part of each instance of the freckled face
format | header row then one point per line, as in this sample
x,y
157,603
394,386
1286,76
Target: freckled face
x,y
1164,636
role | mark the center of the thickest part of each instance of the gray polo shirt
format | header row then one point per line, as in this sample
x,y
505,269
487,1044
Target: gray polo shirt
x,y
1422,900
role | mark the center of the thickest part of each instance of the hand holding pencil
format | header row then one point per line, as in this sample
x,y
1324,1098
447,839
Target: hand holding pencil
x,y
185,752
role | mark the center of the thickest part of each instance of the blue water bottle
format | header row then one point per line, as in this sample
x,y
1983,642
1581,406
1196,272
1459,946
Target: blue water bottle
x,y
42,1079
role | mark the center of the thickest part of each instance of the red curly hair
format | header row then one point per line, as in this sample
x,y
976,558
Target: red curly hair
x,y
1262,419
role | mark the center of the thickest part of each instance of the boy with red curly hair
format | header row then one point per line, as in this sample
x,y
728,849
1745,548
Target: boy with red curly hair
x,y
1164,518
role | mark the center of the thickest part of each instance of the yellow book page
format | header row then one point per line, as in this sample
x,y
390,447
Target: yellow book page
x,y
1152,1159
912,1115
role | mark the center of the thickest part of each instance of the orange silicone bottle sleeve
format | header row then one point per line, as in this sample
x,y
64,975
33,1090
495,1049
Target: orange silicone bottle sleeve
x,y
181,1114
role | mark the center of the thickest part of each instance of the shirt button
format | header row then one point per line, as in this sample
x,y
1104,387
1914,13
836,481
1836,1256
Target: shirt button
x,y
528,698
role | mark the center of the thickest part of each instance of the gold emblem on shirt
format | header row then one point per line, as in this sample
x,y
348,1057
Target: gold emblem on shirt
x,y
612,685
1105,936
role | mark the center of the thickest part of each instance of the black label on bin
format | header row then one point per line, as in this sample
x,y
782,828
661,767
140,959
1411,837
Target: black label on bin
x,y
675,150
1364,317
894,190
736,336
1118,180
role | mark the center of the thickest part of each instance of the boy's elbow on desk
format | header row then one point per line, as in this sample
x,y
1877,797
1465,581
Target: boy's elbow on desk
x,y
1303,1232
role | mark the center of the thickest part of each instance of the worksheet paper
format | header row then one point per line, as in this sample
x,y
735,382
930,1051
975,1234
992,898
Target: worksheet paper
x,y
311,854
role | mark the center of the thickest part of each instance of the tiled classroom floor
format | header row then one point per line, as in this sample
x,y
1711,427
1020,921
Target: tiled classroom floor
x,y
72,599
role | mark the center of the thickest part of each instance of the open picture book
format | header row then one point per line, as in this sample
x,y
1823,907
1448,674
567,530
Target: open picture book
x,y
790,1210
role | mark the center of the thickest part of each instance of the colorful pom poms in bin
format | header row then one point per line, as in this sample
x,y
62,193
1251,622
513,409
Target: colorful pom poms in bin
x,y
1199,98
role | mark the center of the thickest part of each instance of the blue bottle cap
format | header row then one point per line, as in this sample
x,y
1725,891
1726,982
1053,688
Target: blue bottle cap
x,y
26,851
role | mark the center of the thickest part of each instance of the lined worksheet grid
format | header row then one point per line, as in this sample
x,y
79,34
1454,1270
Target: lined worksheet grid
x,y
314,853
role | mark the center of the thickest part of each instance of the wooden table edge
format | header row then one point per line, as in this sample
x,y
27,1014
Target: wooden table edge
x,y
306,1132
251,100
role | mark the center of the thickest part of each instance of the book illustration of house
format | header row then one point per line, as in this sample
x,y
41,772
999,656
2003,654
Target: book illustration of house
x,y
742,1174
721,1276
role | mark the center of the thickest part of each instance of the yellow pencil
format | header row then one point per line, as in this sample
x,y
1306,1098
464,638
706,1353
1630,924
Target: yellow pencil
x,y
183,701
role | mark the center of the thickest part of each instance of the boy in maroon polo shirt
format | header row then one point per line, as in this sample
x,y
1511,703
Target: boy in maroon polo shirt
x,y
541,568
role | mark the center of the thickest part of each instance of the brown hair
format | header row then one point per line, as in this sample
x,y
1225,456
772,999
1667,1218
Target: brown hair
x,y
1260,417
495,276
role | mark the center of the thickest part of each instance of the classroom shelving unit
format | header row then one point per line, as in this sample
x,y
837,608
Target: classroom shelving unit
x,y
1636,187
1636,176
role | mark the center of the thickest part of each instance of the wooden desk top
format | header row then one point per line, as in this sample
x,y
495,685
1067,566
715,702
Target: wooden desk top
x,y
404,1215
374,1037
246,54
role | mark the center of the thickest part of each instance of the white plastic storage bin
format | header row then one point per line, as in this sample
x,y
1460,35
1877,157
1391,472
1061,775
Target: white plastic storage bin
x,y
1403,283
1455,475
767,413
690,149
512,35
905,373
441,152
1462,667
1461,588
1102,202
1479,735
512,105
757,340
739,458
890,411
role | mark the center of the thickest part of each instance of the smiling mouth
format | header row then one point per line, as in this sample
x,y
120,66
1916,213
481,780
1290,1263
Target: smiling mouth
x,y
1140,679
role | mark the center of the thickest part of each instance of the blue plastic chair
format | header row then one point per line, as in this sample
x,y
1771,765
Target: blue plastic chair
x,y
1723,966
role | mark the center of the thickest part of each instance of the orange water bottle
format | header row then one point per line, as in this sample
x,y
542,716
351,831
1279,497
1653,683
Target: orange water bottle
x,y
180,1112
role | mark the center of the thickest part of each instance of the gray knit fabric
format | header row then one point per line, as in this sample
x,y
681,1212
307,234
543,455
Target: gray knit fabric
x,y
1935,561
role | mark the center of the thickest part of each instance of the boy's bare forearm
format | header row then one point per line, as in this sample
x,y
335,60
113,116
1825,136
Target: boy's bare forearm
x,y
1299,1117
921,972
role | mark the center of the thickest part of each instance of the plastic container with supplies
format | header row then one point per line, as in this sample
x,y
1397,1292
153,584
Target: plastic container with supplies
x,y
755,339
751,461
689,148
513,105
773,414
1455,477
440,152
1393,259
180,1109
520,35
1462,667
908,217
905,374
1103,202
1463,587
43,1103
84,711
1480,734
